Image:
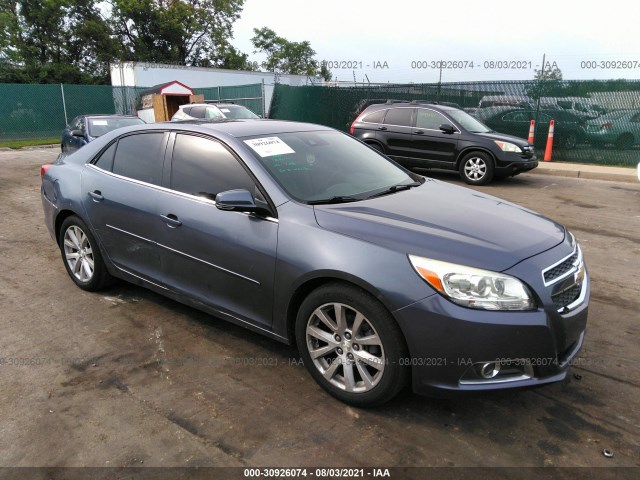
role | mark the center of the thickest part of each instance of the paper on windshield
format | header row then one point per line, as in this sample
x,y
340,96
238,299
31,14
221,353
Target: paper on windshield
x,y
269,146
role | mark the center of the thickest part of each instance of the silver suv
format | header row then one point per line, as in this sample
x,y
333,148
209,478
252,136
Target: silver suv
x,y
219,111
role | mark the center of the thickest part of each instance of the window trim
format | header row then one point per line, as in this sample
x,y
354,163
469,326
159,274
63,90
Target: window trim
x,y
453,124
413,117
166,181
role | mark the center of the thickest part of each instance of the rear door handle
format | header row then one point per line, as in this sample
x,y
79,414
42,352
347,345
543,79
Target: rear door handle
x,y
418,132
382,128
96,195
171,220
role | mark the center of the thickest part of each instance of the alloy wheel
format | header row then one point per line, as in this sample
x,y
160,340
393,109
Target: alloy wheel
x,y
345,347
79,253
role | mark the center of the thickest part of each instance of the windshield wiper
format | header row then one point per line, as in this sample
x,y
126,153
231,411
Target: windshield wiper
x,y
396,188
337,199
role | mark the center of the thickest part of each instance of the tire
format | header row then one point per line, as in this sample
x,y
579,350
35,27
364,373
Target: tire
x,y
476,168
81,255
362,375
624,141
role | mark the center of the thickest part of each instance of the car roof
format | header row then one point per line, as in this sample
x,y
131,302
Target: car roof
x,y
235,128
212,103
417,103
109,115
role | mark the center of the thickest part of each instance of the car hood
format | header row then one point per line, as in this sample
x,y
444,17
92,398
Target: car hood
x,y
448,223
502,137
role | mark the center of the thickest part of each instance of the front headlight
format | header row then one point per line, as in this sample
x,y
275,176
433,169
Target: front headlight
x,y
473,287
508,147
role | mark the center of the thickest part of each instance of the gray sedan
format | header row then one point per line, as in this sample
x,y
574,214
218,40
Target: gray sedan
x,y
382,278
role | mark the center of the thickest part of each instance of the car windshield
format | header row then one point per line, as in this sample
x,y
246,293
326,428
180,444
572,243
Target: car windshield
x,y
327,166
467,122
237,112
99,126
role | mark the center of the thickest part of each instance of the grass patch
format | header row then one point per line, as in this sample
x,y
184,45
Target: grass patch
x,y
32,142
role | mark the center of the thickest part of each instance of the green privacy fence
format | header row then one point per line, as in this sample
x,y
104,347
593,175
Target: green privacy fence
x,y
42,111
596,121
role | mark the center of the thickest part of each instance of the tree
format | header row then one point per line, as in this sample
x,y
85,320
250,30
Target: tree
x,y
547,82
283,56
184,32
51,41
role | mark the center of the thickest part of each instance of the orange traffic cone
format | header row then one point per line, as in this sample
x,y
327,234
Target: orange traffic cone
x,y
547,151
532,129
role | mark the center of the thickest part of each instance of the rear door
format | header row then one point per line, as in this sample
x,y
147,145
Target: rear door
x,y
223,259
121,195
395,133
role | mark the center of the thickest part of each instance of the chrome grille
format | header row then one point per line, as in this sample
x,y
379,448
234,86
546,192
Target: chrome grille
x,y
561,269
566,297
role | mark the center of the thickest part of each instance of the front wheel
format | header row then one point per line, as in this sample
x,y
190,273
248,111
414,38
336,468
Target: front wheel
x,y
476,168
81,255
351,345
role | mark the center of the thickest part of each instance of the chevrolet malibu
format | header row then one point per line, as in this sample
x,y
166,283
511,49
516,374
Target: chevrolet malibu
x,y
382,278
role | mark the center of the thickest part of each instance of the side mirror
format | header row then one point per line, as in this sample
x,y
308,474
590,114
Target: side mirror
x,y
77,133
446,128
236,201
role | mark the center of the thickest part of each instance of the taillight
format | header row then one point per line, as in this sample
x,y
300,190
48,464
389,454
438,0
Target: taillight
x,y
353,125
606,126
44,168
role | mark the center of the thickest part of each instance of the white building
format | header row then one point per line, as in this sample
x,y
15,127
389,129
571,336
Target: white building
x,y
143,74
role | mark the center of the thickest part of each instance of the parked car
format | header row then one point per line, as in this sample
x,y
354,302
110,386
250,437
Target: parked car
x,y
517,101
379,276
620,127
85,128
220,111
584,108
438,136
568,128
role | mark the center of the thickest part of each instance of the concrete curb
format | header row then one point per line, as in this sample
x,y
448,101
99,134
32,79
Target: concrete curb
x,y
589,172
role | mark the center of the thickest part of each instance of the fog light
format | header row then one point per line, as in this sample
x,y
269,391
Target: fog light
x,y
489,369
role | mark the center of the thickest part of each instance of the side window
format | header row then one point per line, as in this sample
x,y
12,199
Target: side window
x,y
204,167
516,117
430,119
105,161
140,157
197,112
399,116
187,110
213,112
375,117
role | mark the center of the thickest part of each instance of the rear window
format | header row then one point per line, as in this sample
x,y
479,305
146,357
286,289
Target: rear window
x,y
140,157
374,117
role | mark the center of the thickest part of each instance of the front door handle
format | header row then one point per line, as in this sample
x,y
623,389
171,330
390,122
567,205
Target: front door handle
x,y
96,195
382,128
418,132
171,220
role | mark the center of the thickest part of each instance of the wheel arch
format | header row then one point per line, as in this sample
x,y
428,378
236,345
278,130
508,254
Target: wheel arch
x,y
60,218
307,285
474,148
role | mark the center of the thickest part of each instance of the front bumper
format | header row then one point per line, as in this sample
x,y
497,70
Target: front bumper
x,y
449,343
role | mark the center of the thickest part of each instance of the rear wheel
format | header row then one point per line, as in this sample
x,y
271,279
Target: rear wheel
x,y
377,147
476,168
570,141
81,255
351,345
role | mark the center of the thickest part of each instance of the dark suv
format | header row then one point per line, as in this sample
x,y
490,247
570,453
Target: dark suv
x,y
438,136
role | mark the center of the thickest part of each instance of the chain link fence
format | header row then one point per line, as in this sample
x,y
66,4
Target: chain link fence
x,y
30,111
598,121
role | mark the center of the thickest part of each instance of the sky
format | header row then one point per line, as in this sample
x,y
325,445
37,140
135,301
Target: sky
x,y
403,41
